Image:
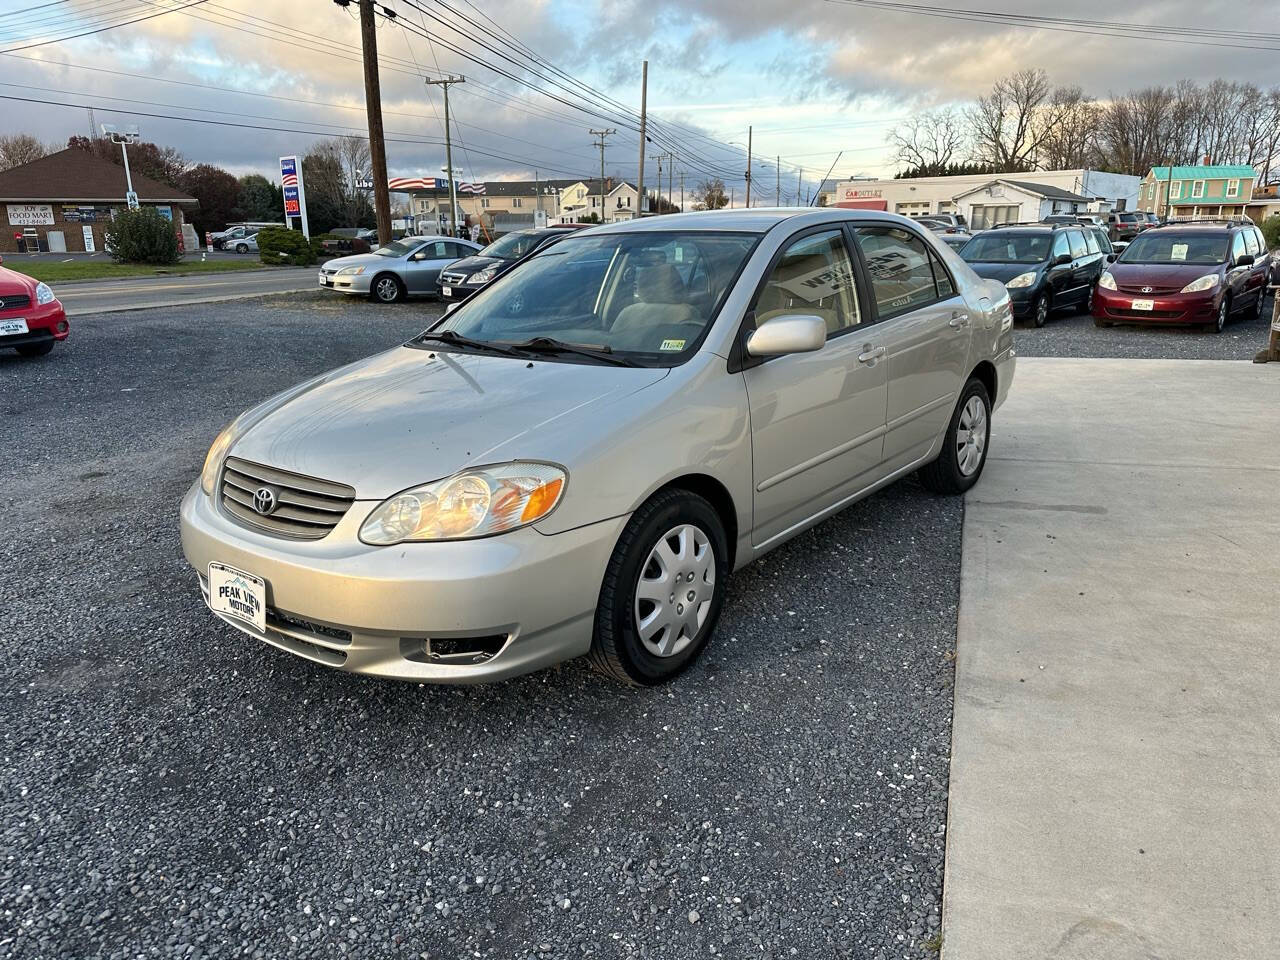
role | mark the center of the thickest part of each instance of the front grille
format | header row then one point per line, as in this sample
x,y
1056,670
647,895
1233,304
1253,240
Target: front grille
x,y
306,508
1154,291
1142,314
15,301
453,278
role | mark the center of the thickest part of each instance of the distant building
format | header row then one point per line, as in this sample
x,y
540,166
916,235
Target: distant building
x,y
505,205
582,198
63,202
918,196
1203,190
1016,201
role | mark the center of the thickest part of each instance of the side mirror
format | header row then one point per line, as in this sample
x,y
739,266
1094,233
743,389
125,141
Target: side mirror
x,y
1244,260
800,333
1061,258
415,257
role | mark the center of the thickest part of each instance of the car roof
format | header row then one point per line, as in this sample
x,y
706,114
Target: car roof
x,y
753,220
1200,226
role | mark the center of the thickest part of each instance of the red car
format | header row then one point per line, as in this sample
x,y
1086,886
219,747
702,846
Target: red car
x,y
1186,273
31,318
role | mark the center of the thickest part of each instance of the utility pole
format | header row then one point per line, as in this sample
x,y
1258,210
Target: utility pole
x,y
777,186
373,108
658,195
601,144
671,172
682,191
644,94
748,167
444,83
799,185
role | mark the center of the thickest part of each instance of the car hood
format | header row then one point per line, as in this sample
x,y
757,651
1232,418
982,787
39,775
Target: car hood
x,y
360,260
470,265
12,282
1160,274
409,416
1004,272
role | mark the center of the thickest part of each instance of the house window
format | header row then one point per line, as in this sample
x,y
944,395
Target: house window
x,y
517,202
1233,188
1197,189
484,203
1176,191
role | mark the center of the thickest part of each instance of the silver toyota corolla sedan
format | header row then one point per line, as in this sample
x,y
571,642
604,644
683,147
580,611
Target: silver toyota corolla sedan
x,y
574,461
408,267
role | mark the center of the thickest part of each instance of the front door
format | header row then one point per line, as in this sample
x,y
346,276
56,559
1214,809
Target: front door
x,y
421,274
925,328
817,419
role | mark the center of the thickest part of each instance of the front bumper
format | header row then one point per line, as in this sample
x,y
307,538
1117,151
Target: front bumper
x,y
1022,300
345,283
1175,308
45,322
377,610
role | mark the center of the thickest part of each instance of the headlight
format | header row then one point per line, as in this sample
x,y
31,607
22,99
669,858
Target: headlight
x,y
1207,282
483,276
1022,280
213,459
350,271
1107,281
474,503
43,294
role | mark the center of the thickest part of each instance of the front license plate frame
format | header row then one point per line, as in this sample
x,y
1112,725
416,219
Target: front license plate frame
x,y
238,594
13,327
1144,305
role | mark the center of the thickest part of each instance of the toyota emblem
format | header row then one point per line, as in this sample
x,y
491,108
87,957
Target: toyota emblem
x,y
264,501
1146,289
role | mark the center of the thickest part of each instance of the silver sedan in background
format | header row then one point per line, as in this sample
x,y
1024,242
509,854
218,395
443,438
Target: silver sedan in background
x,y
403,268
574,461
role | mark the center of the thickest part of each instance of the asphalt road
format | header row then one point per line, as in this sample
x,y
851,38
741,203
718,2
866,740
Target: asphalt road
x,y
99,296
170,787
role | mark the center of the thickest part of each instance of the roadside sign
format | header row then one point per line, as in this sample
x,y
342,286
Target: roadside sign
x,y
131,198
88,239
295,192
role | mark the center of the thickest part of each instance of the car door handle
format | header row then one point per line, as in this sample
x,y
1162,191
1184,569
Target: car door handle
x,y
870,354
958,319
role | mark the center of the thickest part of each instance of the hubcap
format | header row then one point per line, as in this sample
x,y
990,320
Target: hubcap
x,y
1042,310
971,436
387,289
1222,315
675,590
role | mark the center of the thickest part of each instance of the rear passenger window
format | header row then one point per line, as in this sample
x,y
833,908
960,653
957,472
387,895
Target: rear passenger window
x,y
815,278
1091,241
899,267
1078,248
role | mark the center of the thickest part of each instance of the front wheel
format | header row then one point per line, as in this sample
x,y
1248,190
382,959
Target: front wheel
x,y
964,448
1220,321
663,590
387,289
1041,313
242,248
35,349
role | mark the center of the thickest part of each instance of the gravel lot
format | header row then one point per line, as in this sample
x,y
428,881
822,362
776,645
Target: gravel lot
x,y
172,788
1074,335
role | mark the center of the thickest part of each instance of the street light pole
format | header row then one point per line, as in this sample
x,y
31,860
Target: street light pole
x,y
124,138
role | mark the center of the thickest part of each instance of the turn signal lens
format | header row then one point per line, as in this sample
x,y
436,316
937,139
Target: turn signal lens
x,y
474,503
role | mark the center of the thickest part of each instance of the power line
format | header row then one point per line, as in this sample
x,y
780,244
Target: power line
x,y
103,29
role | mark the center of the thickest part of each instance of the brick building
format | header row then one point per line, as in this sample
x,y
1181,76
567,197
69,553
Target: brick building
x,y
65,200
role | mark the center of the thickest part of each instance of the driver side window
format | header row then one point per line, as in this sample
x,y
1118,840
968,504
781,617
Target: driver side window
x,y
1061,246
814,277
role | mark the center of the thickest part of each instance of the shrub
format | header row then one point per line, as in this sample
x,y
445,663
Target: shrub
x,y
142,236
281,245
317,245
1271,231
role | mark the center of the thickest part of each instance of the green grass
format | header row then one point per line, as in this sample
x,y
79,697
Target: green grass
x,y
56,271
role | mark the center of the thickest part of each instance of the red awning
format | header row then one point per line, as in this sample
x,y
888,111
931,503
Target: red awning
x,y
870,203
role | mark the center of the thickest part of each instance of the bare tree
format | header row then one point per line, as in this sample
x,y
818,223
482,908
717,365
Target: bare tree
x,y
19,148
928,142
353,153
1068,130
1010,123
710,195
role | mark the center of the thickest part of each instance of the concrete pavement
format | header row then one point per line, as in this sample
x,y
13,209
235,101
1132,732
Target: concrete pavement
x,y
1115,778
108,296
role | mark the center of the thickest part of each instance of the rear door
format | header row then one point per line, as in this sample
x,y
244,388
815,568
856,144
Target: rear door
x,y
1083,265
925,328
1060,277
817,419
424,265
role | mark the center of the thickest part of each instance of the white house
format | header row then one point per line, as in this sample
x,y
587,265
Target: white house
x,y
581,199
1015,201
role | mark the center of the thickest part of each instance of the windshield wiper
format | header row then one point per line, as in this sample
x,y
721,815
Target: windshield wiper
x,y
458,340
552,345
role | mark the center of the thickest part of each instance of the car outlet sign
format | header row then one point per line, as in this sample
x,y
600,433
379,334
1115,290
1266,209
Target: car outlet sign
x,y
30,214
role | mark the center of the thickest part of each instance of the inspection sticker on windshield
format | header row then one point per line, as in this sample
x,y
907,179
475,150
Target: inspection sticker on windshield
x,y
672,345
238,594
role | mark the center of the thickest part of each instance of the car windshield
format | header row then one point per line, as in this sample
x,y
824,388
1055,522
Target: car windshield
x,y
1007,248
1176,248
511,247
400,248
648,297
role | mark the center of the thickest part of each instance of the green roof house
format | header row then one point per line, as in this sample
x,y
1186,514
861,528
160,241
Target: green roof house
x,y
1205,190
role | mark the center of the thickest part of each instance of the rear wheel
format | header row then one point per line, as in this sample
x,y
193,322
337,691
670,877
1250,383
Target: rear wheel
x,y
964,449
35,349
663,590
1041,311
387,288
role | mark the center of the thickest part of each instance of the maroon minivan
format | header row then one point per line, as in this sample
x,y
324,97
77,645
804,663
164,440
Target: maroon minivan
x,y
1186,273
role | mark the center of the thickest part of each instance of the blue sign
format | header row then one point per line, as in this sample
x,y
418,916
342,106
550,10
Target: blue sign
x,y
292,207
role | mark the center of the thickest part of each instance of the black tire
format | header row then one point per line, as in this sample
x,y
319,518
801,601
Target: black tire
x,y
35,349
242,248
386,288
1041,311
1099,322
1224,311
616,648
1088,300
944,475
1255,313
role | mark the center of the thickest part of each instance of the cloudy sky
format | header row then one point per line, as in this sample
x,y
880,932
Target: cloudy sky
x,y
815,78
